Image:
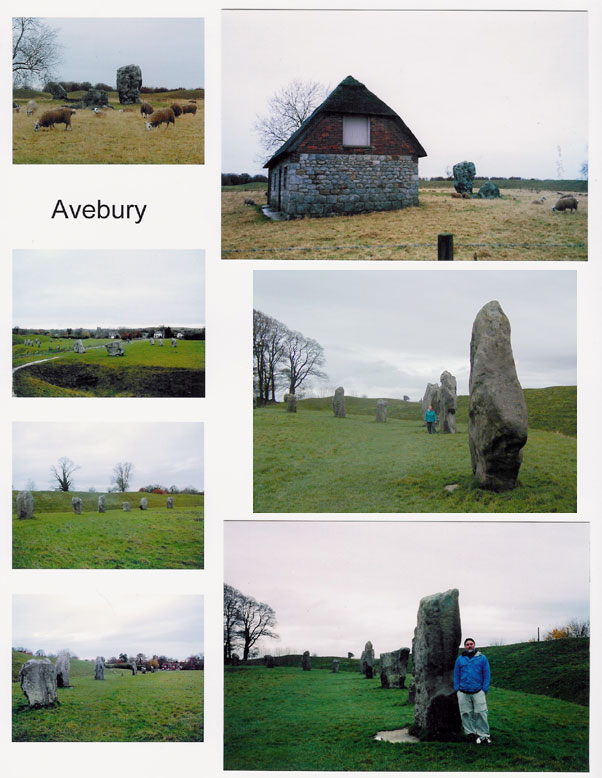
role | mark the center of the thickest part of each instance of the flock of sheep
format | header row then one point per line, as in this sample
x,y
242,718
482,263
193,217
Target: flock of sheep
x,y
63,114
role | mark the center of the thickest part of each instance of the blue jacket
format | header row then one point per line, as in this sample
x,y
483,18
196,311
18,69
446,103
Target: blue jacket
x,y
430,416
471,673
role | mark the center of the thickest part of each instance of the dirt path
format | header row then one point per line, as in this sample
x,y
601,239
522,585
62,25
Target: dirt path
x,y
37,362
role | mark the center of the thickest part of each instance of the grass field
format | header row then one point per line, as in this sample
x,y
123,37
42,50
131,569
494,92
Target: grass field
x,y
312,462
287,719
144,371
158,538
116,138
162,706
513,219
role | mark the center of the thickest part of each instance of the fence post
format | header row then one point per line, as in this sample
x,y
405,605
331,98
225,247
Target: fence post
x,y
445,247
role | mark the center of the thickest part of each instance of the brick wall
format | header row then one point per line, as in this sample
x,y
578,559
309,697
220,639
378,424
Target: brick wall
x,y
326,137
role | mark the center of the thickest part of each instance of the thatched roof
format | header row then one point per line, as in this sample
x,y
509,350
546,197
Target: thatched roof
x,y
350,97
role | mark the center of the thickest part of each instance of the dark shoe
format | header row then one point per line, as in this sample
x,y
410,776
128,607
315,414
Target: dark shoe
x,y
471,737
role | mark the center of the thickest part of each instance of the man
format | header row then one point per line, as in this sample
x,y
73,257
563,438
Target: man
x,y
430,418
471,682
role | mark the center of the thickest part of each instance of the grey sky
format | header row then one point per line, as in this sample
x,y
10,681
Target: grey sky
x,y
131,288
168,453
170,52
335,585
95,623
387,333
491,87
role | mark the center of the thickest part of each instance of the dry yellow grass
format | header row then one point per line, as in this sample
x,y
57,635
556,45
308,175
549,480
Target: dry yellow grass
x,y
115,139
513,219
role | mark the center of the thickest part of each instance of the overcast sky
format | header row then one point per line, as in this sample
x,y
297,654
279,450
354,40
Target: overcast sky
x,y
165,453
130,288
169,52
95,624
335,585
502,89
387,333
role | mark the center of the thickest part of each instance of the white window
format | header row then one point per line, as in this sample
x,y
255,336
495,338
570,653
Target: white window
x,y
356,130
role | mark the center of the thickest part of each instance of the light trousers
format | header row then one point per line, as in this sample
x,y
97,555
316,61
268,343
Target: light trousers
x,y
473,711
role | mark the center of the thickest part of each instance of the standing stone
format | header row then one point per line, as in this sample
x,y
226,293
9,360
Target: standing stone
x,y
143,503
338,403
24,505
367,661
306,661
95,98
77,504
448,403
434,651
464,173
63,666
174,343
268,661
160,342
412,693
170,502
134,667
101,503
489,191
431,397
125,506
115,348
234,660
37,678
78,347
393,668
381,410
291,403
335,665
152,341
497,413
129,81
99,669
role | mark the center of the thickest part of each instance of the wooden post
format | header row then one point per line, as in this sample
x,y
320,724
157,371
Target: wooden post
x,y
445,247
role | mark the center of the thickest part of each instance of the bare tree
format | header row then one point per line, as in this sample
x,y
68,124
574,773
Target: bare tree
x,y
35,50
269,337
121,475
287,109
303,358
62,472
232,602
245,622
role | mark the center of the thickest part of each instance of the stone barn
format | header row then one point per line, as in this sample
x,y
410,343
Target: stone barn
x,y
353,154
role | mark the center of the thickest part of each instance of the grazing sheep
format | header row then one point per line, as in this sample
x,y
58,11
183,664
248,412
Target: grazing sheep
x,y
567,203
100,114
54,116
16,106
32,107
248,201
177,109
158,117
146,109
539,202
457,195
190,108
192,101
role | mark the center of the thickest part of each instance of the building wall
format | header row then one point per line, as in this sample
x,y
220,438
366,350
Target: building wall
x,y
326,137
322,184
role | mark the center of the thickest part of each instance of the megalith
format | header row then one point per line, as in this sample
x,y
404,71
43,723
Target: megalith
x,y
306,661
434,650
99,669
381,410
367,660
268,661
152,341
335,665
338,403
412,693
448,403
125,506
489,191
291,403
115,348
497,412
430,397
77,504
63,666
24,504
143,503
101,503
174,343
95,98
464,173
37,678
170,502
393,668
78,347
129,81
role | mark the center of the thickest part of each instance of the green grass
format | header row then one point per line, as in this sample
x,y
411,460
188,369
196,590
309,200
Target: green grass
x,y
287,719
312,462
252,186
162,706
528,184
158,538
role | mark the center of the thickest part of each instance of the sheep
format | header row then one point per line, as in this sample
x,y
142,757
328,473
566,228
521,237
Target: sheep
x,y
248,201
146,109
32,107
158,117
189,108
567,203
457,195
192,101
177,109
16,106
100,114
539,202
52,117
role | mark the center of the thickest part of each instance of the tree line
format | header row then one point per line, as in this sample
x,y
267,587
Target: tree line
x,y
246,621
282,358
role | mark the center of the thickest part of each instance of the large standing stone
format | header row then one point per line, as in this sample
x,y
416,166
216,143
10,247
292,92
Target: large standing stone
x,y
152,341
129,81
489,191
431,397
381,410
78,347
63,666
412,693
367,660
464,173
24,505
95,98
434,651
170,502
57,90
115,348
335,665
268,660
497,414
125,506
174,343
99,669
77,504
101,503
291,403
143,503
37,678
306,661
393,668
338,403
448,403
